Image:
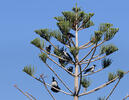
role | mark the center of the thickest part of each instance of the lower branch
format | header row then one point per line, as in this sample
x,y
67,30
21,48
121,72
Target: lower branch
x,y
31,95
113,90
101,86
125,97
23,92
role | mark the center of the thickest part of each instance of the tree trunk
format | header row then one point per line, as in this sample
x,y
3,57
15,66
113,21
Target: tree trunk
x,y
76,67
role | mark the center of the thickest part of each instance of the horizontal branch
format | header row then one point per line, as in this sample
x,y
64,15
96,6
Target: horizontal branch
x,y
101,86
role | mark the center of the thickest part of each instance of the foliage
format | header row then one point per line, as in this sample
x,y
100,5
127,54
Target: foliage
x,y
110,33
36,42
111,76
85,82
120,73
97,37
29,70
108,49
43,57
44,33
106,62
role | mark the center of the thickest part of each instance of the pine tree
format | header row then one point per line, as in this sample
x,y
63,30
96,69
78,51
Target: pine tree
x,y
68,53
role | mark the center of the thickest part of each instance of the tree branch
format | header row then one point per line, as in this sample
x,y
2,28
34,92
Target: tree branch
x,y
91,50
94,59
89,60
101,86
84,45
31,95
125,97
23,92
113,90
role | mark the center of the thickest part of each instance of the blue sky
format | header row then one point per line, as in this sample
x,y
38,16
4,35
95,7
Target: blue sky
x,y
19,19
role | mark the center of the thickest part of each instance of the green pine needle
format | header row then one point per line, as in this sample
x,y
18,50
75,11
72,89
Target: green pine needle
x,y
29,70
60,37
44,33
43,57
36,42
111,76
60,18
97,37
110,33
64,26
106,62
85,82
104,27
108,49
120,73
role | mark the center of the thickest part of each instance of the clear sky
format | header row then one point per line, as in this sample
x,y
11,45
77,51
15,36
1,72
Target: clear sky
x,y
19,19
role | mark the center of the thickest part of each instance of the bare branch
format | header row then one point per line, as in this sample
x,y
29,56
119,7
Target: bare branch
x,y
113,90
125,97
52,44
41,76
94,59
84,45
89,60
86,55
31,95
73,43
101,86
87,46
91,50
23,92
